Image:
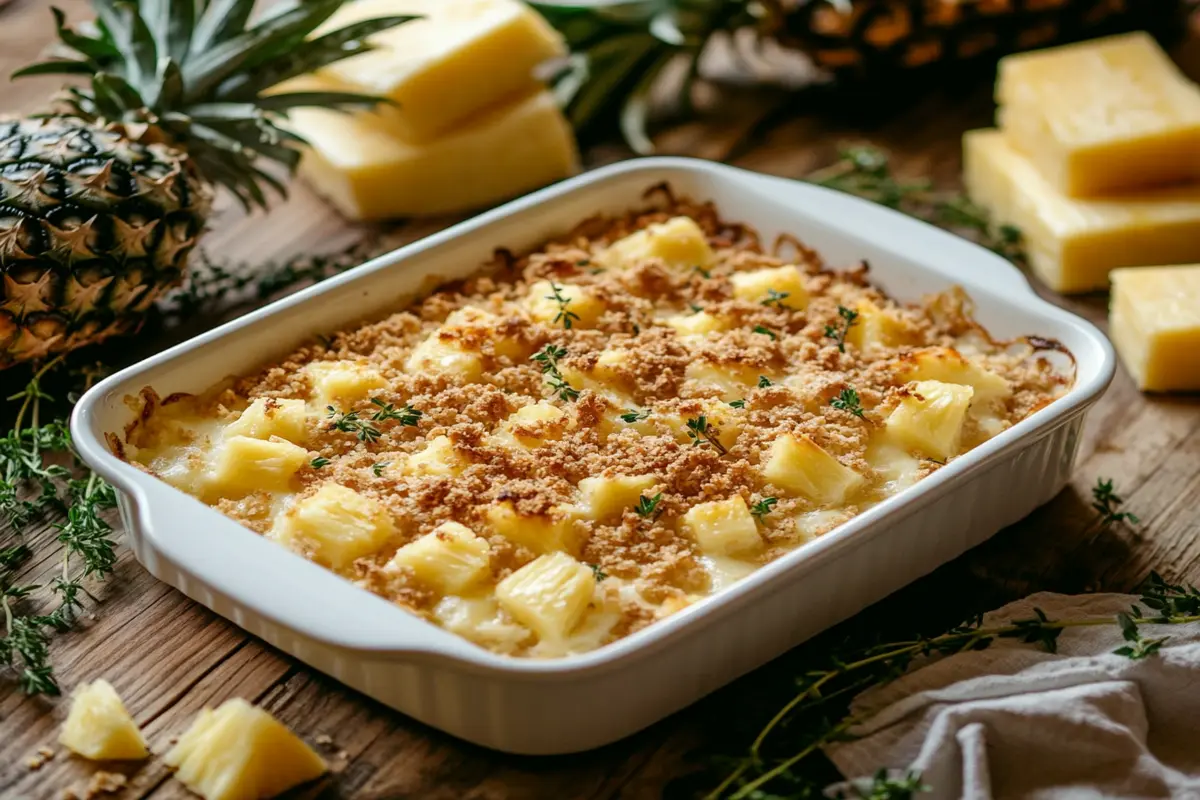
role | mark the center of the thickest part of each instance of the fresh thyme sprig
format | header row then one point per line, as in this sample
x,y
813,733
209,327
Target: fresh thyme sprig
x,y
763,507
739,403
318,462
633,415
548,358
405,416
1106,502
776,298
847,400
647,507
764,382
564,315
598,572
379,467
350,422
849,318
765,331
700,431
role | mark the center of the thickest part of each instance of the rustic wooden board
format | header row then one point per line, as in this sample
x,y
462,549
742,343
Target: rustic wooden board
x,y
169,657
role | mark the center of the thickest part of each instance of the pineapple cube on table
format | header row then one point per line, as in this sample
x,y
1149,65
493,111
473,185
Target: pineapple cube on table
x,y
269,416
1155,324
1072,245
244,465
783,286
335,525
930,418
437,457
549,595
679,243
451,558
99,727
1103,116
338,383
800,466
543,533
605,498
239,752
722,527
564,304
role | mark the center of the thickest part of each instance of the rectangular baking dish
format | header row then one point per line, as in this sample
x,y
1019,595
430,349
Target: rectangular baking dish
x,y
584,701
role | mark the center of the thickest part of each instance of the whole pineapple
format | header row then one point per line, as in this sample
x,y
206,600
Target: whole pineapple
x,y
103,198
620,46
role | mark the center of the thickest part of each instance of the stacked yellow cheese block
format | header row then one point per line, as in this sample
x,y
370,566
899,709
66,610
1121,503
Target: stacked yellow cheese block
x,y
470,124
1096,159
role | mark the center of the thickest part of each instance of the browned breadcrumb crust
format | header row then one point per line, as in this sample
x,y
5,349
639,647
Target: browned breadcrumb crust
x,y
652,552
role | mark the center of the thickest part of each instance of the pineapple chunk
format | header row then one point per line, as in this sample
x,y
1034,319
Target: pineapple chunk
x,y
480,620
239,752
1155,325
442,353
678,242
722,527
1073,244
799,465
604,498
700,323
451,559
930,418
782,285
605,378
721,421
336,525
533,425
1103,116
549,595
949,366
246,465
876,327
486,325
733,380
486,50
541,534
438,457
579,308
99,727
337,383
267,417
369,174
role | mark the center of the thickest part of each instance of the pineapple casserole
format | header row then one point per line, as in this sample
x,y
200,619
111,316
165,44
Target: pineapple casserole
x,y
579,441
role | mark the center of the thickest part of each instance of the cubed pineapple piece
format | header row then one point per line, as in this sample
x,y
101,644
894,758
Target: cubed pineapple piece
x,y
437,457
930,418
714,420
604,378
876,327
1072,245
480,620
335,526
949,366
732,380
367,173
544,533
239,752
99,727
605,498
244,465
700,323
342,383
486,50
451,558
1155,324
444,353
782,286
484,325
799,465
533,425
679,243
267,417
722,527
549,595
1103,116
563,304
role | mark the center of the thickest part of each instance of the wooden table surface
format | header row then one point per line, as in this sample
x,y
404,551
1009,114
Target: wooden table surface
x,y
169,657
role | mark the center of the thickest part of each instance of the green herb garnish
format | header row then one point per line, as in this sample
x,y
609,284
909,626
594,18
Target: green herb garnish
x,y
838,332
406,416
847,400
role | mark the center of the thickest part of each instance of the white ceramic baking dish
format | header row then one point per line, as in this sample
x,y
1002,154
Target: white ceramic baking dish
x,y
580,702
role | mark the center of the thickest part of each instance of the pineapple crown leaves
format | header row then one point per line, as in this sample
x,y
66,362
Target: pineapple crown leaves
x,y
200,73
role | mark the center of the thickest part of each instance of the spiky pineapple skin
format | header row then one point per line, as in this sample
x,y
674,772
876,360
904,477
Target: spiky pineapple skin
x,y
95,224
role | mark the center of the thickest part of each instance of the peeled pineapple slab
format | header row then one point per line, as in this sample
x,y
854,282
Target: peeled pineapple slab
x,y
1103,116
1072,245
99,727
239,752
1155,324
369,174
463,56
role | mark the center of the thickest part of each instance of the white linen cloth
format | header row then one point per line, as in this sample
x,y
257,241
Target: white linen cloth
x,y
1014,721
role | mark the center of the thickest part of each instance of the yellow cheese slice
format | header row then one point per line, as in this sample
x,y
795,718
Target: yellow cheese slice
x,y
1155,324
1102,116
371,175
1073,244
463,56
